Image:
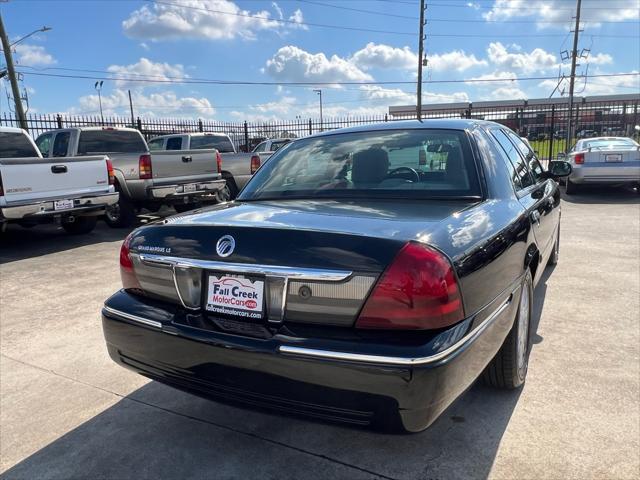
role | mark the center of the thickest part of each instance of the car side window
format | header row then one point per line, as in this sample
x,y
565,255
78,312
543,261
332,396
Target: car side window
x,y
43,143
174,143
519,164
261,148
155,144
534,165
61,144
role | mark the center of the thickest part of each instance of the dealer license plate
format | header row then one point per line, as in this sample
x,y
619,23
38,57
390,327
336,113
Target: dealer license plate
x,y
62,204
235,295
613,158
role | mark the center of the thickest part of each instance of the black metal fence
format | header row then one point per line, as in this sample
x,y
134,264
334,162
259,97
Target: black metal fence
x,y
542,121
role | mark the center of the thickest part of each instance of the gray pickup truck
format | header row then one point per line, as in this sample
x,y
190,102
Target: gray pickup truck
x,y
182,179
237,167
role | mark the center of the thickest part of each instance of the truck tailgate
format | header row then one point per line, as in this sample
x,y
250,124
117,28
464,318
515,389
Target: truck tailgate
x,y
185,164
32,179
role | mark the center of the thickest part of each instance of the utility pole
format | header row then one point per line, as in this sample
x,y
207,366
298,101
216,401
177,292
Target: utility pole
x,y
133,120
98,87
572,80
319,92
420,62
6,46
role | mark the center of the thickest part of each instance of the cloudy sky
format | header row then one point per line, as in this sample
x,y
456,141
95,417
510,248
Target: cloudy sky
x,y
188,58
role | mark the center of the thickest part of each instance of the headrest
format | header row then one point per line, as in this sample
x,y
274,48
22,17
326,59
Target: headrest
x,y
369,166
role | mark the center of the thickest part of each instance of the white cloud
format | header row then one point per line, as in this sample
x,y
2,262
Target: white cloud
x,y
545,11
158,104
33,55
384,56
293,64
599,59
535,61
210,19
456,60
148,69
598,85
395,96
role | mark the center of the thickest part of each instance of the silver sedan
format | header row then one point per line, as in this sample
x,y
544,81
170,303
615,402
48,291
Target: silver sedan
x,y
604,160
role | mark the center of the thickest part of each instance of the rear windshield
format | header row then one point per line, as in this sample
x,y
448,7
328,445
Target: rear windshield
x,y
421,163
610,144
16,145
219,142
110,141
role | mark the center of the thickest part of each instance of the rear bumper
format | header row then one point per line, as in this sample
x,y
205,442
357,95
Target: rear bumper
x,y
179,192
41,209
302,376
606,173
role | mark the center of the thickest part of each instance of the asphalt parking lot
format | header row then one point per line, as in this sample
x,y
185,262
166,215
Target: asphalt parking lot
x,y
67,411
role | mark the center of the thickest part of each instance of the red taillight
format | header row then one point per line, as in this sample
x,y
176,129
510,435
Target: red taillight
x,y
219,162
144,167
255,163
127,274
111,173
579,158
418,290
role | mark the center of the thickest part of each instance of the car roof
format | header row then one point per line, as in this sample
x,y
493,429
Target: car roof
x,y
604,139
444,123
12,130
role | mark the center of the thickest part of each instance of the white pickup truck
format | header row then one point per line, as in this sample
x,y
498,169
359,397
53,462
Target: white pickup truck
x,y
237,167
182,179
70,191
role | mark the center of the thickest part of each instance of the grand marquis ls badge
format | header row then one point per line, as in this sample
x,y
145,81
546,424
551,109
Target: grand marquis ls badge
x,y
225,246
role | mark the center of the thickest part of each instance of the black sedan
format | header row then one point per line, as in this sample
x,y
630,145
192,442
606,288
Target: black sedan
x,y
366,275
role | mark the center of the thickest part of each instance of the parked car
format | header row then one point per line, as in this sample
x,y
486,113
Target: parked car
x,y
560,135
182,179
269,147
604,160
71,192
587,134
343,286
237,167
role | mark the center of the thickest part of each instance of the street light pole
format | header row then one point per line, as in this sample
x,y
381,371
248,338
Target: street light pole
x,y
6,46
98,87
319,92
572,79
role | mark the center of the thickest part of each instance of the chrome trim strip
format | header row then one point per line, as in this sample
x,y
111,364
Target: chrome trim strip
x,y
175,284
131,317
246,268
400,361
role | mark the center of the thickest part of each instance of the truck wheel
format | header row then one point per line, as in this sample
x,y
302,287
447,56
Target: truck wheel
x,y
80,225
120,215
233,189
185,207
571,188
223,195
508,369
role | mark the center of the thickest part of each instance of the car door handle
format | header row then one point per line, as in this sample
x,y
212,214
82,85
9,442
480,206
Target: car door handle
x,y
187,159
59,169
535,216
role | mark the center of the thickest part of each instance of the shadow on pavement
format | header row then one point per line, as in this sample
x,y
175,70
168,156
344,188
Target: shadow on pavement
x,y
596,194
159,432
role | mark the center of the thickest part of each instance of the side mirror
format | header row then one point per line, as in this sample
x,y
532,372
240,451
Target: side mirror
x,y
558,168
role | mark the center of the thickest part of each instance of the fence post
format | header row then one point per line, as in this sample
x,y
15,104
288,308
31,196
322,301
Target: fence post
x,y
468,111
59,120
310,127
386,118
200,126
551,133
139,124
246,136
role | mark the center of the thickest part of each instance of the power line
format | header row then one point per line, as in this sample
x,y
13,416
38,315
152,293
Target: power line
x,y
174,80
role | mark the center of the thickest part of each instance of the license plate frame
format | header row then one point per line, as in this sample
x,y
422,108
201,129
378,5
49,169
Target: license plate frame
x,y
245,283
190,187
63,204
613,157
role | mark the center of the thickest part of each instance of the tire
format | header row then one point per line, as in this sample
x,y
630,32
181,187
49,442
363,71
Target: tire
x,y
185,207
555,254
508,369
233,188
122,214
223,195
81,225
571,188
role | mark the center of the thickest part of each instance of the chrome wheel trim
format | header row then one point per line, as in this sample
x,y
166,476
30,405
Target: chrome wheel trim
x,y
523,327
113,212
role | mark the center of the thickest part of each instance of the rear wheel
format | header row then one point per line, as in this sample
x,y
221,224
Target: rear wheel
x,y
122,214
80,225
508,369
